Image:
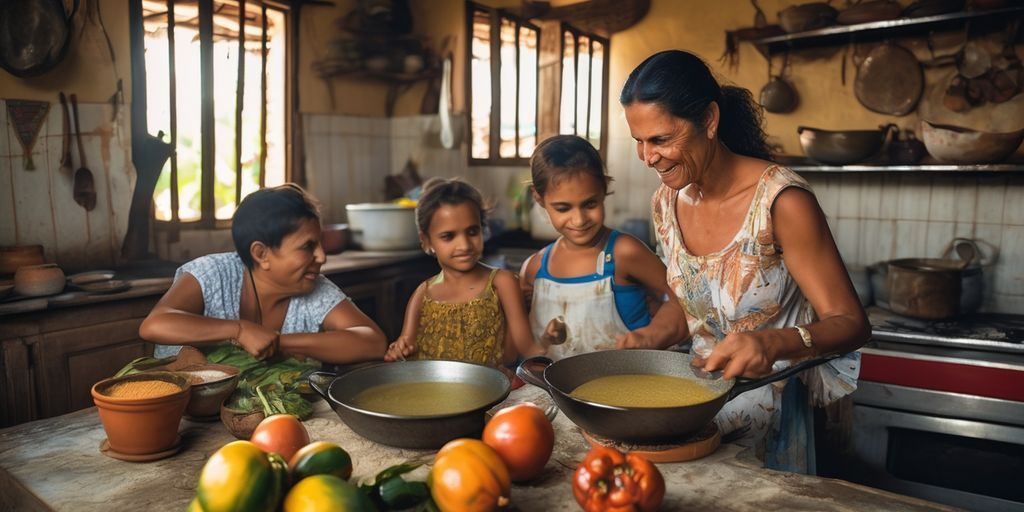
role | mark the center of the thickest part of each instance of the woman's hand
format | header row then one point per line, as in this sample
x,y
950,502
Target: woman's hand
x,y
260,342
747,354
401,348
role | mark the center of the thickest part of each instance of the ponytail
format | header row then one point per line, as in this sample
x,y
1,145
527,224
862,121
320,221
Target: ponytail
x,y
740,124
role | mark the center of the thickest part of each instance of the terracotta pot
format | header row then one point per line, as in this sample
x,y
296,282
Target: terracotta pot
x,y
12,257
142,426
798,18
207,395
335,238
39,280
241,424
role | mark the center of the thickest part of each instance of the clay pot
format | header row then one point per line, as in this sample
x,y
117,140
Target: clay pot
x,y
241,424
207,396
799,18
39,280
335,238
15,256
778,96
142,426
965,146
867,12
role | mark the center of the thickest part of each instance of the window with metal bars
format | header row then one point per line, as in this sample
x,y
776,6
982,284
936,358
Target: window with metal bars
x,y
529,80
216,87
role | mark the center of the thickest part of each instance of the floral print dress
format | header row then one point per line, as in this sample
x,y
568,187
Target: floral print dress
x,y
472,331
746,287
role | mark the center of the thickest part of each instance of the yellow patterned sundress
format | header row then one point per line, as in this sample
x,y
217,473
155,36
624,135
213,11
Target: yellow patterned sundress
x,y
472,331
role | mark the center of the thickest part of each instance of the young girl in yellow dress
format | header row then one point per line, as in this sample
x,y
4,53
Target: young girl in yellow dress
x,y
588,290
469,312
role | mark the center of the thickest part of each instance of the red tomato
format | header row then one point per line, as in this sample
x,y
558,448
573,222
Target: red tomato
x,y
282,434
523,437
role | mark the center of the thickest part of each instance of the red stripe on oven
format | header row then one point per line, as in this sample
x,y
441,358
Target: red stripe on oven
x,y
967,379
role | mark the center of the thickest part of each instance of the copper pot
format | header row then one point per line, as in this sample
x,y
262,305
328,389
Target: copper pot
x,y
926,288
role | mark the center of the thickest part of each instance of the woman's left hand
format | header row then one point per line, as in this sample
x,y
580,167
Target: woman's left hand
x,y
744,354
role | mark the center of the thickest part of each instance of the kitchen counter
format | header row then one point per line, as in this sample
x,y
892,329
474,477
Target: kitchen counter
x,y
56,464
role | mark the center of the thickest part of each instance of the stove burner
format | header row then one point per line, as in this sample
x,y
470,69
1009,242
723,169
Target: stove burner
x,y
989,327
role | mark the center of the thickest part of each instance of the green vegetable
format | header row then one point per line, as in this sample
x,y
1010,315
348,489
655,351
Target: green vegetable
x,y
389,491
142,364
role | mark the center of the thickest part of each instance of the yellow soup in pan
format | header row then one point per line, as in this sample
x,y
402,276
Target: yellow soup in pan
x,y
422,398
643,390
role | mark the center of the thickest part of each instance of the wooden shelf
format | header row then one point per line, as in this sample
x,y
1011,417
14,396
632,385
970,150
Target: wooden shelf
x,y
928,168
881,29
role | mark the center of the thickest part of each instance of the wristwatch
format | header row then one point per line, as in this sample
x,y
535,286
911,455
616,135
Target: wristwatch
x,y
805,335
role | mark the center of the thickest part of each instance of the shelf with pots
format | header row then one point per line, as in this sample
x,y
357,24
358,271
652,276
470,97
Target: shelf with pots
x,y
841,34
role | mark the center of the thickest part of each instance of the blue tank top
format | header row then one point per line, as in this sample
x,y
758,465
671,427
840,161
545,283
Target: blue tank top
x,y
630,300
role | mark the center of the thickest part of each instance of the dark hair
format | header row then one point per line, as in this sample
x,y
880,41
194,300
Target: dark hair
x,y
268,215
441,191
562,156
681,83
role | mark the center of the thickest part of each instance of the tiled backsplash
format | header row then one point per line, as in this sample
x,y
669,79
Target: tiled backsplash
x,y
36,206
873,217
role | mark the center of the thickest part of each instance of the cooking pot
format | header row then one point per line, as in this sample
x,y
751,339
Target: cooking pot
x,y
643,425
842,147
927,288
383,226
420,432
961,145
34,35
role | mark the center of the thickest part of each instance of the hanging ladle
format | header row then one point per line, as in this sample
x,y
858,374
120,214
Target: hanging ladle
x,y
84,189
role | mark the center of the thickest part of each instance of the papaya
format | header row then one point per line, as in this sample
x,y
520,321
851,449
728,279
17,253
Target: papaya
x,y
240,477
326,493
321,458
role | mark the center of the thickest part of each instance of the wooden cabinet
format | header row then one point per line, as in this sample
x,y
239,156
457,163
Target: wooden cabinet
x,y
51,359
383,292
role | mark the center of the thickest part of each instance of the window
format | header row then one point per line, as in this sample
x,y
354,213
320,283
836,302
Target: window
x,y
216,87
528,81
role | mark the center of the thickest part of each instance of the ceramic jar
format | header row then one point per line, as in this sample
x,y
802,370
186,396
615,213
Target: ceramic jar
x,y
16,256
39,280
142,426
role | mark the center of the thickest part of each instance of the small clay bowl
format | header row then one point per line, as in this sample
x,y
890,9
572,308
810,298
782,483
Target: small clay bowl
x,y
39,280
208,393
241,424
142,426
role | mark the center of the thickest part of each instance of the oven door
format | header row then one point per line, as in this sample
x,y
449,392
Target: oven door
x,y
970,463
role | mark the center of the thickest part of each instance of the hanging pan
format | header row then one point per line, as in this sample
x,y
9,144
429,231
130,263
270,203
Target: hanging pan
x,y
889,80
34,35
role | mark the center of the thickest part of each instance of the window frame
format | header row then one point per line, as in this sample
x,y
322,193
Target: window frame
x,y
606,44
208,218
496,16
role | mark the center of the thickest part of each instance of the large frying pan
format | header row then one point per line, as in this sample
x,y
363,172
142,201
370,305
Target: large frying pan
x,y
653,425
34,35
422,432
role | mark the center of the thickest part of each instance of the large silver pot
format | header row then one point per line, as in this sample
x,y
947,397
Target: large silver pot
x,y
421,432
842,147
645,425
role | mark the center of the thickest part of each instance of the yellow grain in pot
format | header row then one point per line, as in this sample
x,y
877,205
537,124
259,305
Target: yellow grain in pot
x,y
643,390
141,389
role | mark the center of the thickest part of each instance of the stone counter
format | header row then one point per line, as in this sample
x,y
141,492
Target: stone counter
x,y
56,464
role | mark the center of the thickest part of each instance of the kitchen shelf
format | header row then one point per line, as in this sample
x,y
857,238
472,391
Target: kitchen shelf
x,y
928,168
881,29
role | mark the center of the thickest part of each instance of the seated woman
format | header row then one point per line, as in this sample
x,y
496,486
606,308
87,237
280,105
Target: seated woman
x,y
268,296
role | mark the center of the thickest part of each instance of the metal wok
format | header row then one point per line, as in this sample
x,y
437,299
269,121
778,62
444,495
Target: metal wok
x,y
651,425
425,432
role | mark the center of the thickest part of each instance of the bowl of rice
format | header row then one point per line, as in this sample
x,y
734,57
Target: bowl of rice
x,y
141,412
211,385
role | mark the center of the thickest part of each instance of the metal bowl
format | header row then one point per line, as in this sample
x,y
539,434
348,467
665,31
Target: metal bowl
x,y
420,432
842,147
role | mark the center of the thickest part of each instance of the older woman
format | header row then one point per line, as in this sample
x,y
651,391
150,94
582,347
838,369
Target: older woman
x,y
749,253
268,295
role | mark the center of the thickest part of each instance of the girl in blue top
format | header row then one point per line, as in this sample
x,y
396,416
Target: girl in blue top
x,y
588,290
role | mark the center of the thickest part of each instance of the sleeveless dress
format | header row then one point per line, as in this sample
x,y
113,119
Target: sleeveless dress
x,y
746,287
472,331
594,308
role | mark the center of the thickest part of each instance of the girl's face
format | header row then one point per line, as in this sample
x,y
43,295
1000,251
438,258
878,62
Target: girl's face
x,y
575,205
296,264
455,236
678,150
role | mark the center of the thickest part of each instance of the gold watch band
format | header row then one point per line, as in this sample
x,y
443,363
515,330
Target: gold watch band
x,y
805,335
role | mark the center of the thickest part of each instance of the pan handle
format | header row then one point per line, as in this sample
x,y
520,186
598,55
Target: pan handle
x,y
743,385
317,378
534,376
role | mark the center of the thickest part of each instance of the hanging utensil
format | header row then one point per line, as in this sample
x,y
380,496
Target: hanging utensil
x,y
889,80
778,95
27,118
65,147
34,35
445,104
84,188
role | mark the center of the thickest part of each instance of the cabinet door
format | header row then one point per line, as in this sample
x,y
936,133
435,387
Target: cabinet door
x,y
67,363
17,391
371,299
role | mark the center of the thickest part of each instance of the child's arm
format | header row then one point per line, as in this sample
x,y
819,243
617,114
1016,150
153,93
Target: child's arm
x,y
526,274
405,345
518,325
638,264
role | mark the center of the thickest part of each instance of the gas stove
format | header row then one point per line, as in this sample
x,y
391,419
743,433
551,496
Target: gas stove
x,y
986,332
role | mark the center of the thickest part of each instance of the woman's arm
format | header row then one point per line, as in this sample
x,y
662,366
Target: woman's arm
x,y
813,260
177,319
405,345
640,265
349,336
518,324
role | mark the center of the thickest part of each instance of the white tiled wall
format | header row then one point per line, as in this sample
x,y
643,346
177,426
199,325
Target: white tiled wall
x,y
873,217
36,206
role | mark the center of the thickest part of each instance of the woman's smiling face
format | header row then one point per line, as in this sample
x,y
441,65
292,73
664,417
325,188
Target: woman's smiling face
x,y
677,149
296,264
